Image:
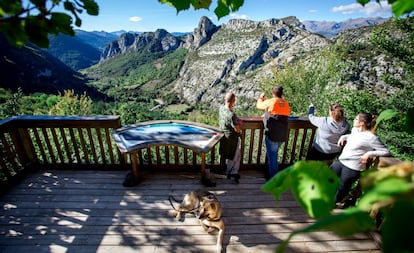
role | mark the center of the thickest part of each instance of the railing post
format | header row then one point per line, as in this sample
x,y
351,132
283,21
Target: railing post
x,y
24,147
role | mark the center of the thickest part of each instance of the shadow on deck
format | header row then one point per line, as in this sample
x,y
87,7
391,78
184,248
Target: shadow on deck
x,y
90,211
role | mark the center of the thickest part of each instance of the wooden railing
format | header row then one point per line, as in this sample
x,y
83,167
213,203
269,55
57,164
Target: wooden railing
x,y
56,142
75,142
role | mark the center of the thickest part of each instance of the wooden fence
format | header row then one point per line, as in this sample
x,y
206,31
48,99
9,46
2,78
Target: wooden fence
x,y
79,143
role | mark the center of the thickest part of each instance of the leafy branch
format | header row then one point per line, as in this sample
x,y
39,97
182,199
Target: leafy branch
x,y
37,20
387,193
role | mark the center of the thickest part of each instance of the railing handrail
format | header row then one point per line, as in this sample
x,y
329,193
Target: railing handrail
x,y
57,142
85,142
58,121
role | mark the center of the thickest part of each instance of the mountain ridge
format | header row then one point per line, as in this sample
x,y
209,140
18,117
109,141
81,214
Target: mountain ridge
x,y
330,29
34,70
233,69
238,55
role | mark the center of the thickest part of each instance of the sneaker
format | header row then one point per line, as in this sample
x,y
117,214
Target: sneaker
x,y
339,205
236,177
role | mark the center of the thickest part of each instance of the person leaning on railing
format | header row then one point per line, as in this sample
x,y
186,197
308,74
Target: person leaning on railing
x,y
230,148
330,129
359,146
275,122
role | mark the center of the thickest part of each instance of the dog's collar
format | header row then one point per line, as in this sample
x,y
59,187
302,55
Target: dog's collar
x,y
214,219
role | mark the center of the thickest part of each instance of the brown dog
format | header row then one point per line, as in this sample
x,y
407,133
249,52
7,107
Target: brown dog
x,y
205,206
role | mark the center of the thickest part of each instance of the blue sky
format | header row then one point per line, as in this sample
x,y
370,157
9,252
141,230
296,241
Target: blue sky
x,y
149,15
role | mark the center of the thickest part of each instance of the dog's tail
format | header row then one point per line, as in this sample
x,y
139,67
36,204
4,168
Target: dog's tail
x,y
171,199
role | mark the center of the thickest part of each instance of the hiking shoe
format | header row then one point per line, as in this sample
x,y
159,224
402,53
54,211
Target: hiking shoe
x,y
236,177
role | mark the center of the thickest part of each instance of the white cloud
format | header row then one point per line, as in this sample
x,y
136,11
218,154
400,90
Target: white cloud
x,y
239,16
313,11
370,9
135,19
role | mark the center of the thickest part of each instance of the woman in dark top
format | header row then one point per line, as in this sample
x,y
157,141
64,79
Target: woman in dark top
x,y
230,143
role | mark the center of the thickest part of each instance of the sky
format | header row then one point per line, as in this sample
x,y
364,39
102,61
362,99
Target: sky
x,y
150,15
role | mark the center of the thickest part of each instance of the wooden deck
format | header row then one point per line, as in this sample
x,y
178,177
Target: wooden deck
x,y
90,211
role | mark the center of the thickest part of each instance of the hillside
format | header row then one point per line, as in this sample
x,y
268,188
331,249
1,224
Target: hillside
x,y
85,49
97,39
238,55
34,70
73,52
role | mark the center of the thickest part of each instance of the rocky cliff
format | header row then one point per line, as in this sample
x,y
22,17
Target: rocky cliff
x,y
239,54
158,41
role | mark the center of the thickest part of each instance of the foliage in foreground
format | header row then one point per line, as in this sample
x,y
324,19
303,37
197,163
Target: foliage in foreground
x,y
388,196
385,205
22,21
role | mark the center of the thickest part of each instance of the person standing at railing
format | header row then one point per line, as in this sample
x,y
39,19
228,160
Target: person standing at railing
x,y
359,147
230,144
330,129
275,122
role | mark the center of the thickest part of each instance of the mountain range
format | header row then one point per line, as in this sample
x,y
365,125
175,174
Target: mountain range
x,y
330,29
57,68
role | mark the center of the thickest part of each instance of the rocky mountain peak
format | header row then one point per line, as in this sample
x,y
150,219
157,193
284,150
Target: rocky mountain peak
x,y
238,49
202,33
158,41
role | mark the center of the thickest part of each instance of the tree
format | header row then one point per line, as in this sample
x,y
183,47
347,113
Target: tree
x,y
71,104
35,21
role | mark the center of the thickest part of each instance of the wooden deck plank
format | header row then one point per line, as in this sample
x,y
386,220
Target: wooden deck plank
x,y
90,211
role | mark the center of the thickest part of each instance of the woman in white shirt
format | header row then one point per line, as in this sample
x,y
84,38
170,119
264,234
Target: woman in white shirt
x,y
360,145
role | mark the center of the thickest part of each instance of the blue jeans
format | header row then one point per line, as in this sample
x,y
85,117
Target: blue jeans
x,y
272,150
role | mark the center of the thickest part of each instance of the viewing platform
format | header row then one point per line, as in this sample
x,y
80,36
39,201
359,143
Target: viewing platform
x,y
61,185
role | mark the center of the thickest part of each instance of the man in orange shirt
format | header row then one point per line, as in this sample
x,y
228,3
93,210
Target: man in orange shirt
x,y
275,123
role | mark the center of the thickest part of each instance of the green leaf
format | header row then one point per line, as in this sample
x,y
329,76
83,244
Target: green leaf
x,y
370,178
363,2
398,227
197,4
235,4
10,8
69,6
222,9
349,222
382,191
39,3
179,5
401,7
62,22
279,184
313,185
36,30
15,33
386,115
91,7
